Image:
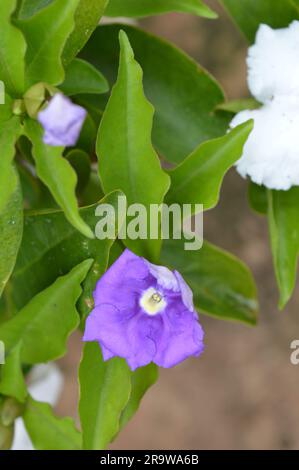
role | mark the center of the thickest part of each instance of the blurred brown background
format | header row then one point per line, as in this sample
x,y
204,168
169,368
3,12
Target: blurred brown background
x,y
243,393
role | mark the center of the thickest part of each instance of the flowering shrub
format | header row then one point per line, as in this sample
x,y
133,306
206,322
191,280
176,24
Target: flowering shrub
x,y
93,113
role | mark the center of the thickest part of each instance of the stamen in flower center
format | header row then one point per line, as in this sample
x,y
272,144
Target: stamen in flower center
x,y
152,301
157,297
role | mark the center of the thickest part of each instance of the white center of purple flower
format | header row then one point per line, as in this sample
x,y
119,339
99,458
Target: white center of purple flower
x,y
152,301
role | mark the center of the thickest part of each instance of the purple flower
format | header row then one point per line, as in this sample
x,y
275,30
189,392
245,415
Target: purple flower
x,y
62,121
144,313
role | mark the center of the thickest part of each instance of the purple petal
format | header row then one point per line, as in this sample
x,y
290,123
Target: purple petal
x,y
164,277
62,121
187,294
126,327
123,281
178,345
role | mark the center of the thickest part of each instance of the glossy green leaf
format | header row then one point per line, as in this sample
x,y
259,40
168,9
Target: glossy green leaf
x,y
198,179
249,14
127,160
11,228
12,381
140,8
184,95
58,175
283,216
82,77
222,285
104,392
12,51
258,198
45,323
141,380
51,247
87,17
46,33
47,431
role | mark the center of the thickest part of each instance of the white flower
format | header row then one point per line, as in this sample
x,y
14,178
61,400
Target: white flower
x,y
273,62
271,153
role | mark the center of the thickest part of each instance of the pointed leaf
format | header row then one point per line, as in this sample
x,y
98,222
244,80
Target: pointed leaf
x,y
235,106
104,392
87,17
139,8
58,175
184,95
51,247
222,285
12,51
198,179
46,33
46,431
12,381
46,322
249,14
82,77
127,160
283,216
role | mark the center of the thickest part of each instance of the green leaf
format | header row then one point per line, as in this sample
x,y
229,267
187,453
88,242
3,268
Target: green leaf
x,y
46,322
222,285
127,160
88,135
6,110
249,14
80,161
10,131
46,431
12,51
235,106
198,179
82,77
11,204
58,175
283,216
11,228
46,33
30,7
87,17
12,381
141,380
184,95
140,8
51,247
258,198
104,392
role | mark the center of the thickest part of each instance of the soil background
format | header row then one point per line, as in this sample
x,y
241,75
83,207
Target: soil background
x,y
243,393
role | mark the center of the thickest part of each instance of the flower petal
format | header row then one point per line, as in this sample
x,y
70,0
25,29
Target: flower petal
x,y
273,62
270,155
